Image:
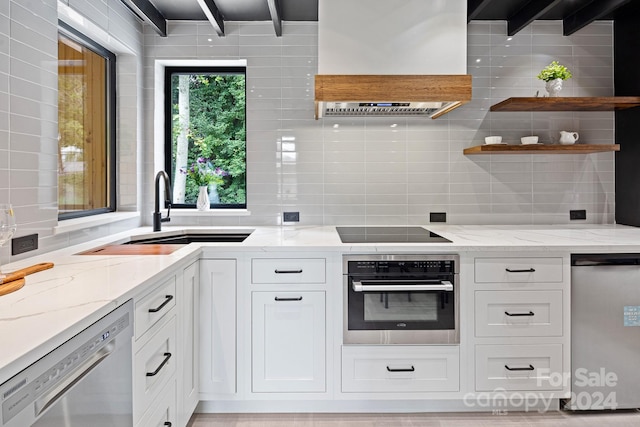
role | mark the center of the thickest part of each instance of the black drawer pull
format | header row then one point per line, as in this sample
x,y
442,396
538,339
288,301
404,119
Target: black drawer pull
x,y
411,369
529,368
288,271
531,313
289,299
168,423
167,356
158,308
528,270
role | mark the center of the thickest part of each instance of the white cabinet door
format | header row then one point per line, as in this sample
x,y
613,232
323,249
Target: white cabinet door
x,y
288,341
218,326
189,331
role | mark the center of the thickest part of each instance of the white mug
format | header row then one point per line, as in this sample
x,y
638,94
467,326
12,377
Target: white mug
x,y
568,137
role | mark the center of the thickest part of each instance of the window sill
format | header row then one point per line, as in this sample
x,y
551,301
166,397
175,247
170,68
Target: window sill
x,y
75,224
211,212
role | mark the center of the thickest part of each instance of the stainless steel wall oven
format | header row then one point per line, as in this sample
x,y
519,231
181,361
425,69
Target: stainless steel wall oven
x,y
401,299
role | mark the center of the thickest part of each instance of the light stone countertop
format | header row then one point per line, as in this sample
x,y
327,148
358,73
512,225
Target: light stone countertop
x,y
58,303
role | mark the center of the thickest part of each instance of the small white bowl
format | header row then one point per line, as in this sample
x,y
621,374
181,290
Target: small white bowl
x,y
492,139
526,140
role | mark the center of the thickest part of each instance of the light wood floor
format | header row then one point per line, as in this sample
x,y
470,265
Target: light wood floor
x,y
519,419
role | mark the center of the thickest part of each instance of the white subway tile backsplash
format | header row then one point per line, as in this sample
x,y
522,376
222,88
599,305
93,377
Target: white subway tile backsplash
x,y
363,171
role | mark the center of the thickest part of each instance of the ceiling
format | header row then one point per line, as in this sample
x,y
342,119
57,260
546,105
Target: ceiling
x,y
518,13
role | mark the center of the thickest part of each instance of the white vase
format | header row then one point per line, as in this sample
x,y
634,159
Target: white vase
x,y
553,87
203,203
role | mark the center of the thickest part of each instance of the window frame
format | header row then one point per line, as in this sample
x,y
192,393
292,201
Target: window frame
x,y
71,33
167,112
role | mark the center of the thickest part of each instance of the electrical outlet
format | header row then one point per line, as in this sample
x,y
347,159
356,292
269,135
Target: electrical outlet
x,y
291,216
577,214
437,216
23,244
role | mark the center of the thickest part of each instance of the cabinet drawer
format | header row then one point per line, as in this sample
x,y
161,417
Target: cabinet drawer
x,y
150,308
518,367
154,365
518,270
163,411
288,270
400,369
518,313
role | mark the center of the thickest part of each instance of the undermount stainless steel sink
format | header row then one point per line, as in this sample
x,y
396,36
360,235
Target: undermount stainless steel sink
x,y
165,243
186,237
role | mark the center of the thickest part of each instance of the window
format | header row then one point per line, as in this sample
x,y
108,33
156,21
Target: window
x,y
86,126
205,128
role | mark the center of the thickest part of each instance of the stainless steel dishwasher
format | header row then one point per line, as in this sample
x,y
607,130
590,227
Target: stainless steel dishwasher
x,y
84,382
605,331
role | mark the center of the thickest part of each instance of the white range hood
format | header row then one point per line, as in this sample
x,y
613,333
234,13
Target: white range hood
x,y
391,57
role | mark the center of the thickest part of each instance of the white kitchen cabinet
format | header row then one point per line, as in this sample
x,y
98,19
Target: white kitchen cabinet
x,y
518,270
288,342
521,334
518,367
288,270
154,365
518,313
189,338
217,327
152,307
400,369
154,347
163,410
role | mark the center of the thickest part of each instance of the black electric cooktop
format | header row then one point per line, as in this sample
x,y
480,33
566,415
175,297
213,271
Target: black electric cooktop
x,y
389,235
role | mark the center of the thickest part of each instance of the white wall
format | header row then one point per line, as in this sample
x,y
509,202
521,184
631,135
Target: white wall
x,y
363,171
396,171
29,111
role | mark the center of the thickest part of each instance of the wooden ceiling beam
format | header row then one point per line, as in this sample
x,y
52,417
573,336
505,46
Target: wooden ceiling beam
x,y
594,10
276,15
474,7
529,13
213,15
147,12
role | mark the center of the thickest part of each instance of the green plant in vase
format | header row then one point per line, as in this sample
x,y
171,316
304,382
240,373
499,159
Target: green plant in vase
x,y
553,75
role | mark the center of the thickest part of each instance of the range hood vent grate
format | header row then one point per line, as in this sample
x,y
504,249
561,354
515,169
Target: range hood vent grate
x,y
332,109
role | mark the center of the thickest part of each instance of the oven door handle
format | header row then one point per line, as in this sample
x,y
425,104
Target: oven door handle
x,y
402,286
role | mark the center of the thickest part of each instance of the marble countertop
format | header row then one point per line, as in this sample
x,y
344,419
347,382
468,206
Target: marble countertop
x,y
58,303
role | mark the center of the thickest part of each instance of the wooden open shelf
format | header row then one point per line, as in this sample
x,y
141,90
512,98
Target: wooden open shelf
x,y
601,103
541,149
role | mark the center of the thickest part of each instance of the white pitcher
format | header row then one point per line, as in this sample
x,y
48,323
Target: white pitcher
x,y
568,137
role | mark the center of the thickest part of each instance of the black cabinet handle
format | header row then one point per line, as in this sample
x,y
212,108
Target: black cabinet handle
x,y
531,313
289,299
288,271
158,308
528,270
167,356
411,369
529,368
